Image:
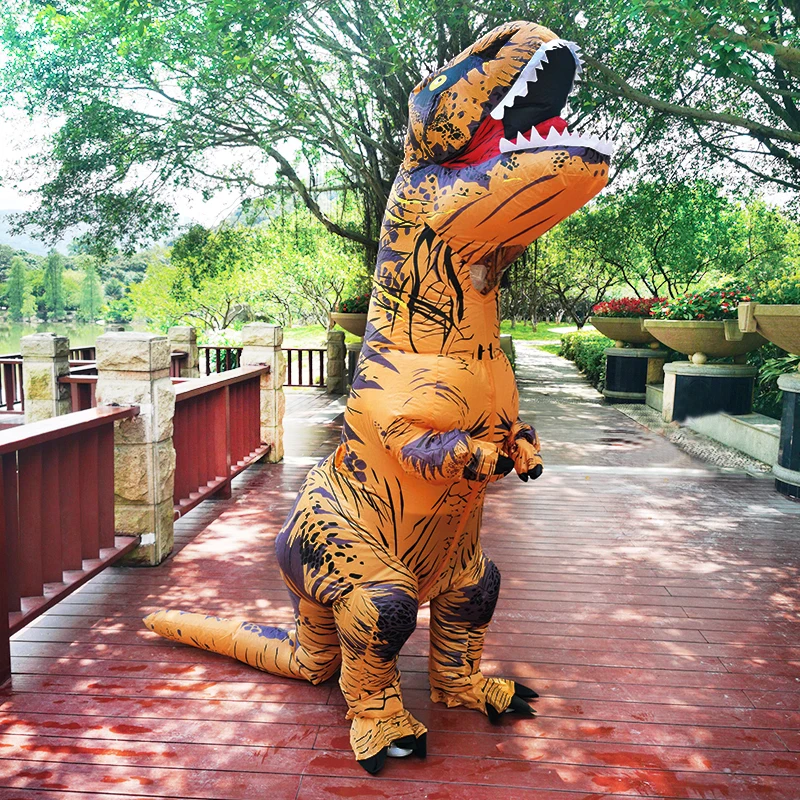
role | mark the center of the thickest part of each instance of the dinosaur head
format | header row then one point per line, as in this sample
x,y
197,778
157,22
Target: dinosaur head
x,y
489,163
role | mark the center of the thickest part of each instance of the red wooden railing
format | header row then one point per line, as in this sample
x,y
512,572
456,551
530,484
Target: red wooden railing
x,y
83,353
217,433
305,366
11,395
57,515
214,359
296,375
82,381
177,359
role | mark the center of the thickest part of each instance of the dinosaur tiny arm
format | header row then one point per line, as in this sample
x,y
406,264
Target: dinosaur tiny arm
x,y
522,446
440,456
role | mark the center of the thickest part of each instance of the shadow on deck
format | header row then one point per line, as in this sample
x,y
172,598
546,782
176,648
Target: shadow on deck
x,y
651,599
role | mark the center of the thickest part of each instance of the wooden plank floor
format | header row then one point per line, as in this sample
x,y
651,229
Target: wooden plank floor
x,y
652,600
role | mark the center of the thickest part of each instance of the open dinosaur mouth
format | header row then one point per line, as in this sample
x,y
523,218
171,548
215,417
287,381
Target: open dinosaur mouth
x,y
528,116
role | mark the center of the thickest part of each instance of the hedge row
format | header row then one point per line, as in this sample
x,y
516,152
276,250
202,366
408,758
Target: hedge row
x,y
587,351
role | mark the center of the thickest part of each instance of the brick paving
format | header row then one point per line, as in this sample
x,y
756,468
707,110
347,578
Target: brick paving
x,y
650,598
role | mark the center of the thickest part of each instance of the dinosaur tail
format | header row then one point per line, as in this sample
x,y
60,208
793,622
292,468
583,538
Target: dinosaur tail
x,y
261,646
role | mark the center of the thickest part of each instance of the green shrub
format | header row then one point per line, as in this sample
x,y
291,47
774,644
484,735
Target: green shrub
x,y
587,350
781,291
772,362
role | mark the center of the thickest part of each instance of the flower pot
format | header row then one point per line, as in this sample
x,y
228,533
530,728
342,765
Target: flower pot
x,y
702,339
624,329
352,323
779,324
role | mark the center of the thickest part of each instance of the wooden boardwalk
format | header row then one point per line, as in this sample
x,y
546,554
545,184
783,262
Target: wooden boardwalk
x,y
651,599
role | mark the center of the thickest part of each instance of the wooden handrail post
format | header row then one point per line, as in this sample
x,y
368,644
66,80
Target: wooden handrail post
x,y
45,358
183,338
336,378
5,567
133,369
262,344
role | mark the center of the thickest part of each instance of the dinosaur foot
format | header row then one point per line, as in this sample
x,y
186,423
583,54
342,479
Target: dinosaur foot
x,y
518,704
400,748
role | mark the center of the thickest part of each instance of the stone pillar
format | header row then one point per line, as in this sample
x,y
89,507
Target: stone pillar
x,y
262,344
133,369
336,368
695,390
183,339
45,358
787,470
629,370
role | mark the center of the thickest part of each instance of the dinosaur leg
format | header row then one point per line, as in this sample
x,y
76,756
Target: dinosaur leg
x,y
374,622
459,619
310,652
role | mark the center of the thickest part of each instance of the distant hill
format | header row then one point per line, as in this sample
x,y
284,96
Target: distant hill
x,y
23,241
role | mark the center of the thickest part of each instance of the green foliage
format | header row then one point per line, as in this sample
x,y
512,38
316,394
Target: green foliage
x,y
286,271
119,310
772,362
17,288
781,291
711,304
91,292
662,238
587,350
54,285
148,90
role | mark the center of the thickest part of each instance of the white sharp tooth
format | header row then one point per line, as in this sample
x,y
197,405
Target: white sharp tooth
x,y
498,112
552,135
536,138
506,146
544,58
521,140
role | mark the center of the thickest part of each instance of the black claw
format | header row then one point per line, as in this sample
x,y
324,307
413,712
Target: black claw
x,y
535,472
519,706
374,764
523,476
494,715
421,746
504,465
406,742
524,692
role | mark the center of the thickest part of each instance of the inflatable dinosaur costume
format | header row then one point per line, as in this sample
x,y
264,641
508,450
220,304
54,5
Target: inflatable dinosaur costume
x,y
392,518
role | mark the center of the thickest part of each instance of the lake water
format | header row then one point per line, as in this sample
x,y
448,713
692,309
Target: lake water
x,y
80,334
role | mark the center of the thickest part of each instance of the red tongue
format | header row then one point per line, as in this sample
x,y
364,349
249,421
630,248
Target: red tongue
x,y
485,143
554,122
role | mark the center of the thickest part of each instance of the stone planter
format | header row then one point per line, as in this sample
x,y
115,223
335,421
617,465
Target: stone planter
x,y
779,324
624,329
352,323
702,339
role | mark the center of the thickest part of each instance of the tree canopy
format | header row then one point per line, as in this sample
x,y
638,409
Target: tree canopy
x,y
295,96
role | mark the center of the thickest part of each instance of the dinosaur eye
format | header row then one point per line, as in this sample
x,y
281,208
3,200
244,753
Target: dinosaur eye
x,y
437,83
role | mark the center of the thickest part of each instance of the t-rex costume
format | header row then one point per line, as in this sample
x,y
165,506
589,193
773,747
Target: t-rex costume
x,y
392,518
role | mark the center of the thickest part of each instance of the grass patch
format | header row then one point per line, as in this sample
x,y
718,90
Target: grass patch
x,y
311,336
555,349
545,331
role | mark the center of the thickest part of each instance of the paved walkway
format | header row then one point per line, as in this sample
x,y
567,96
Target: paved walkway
x,y
651,599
